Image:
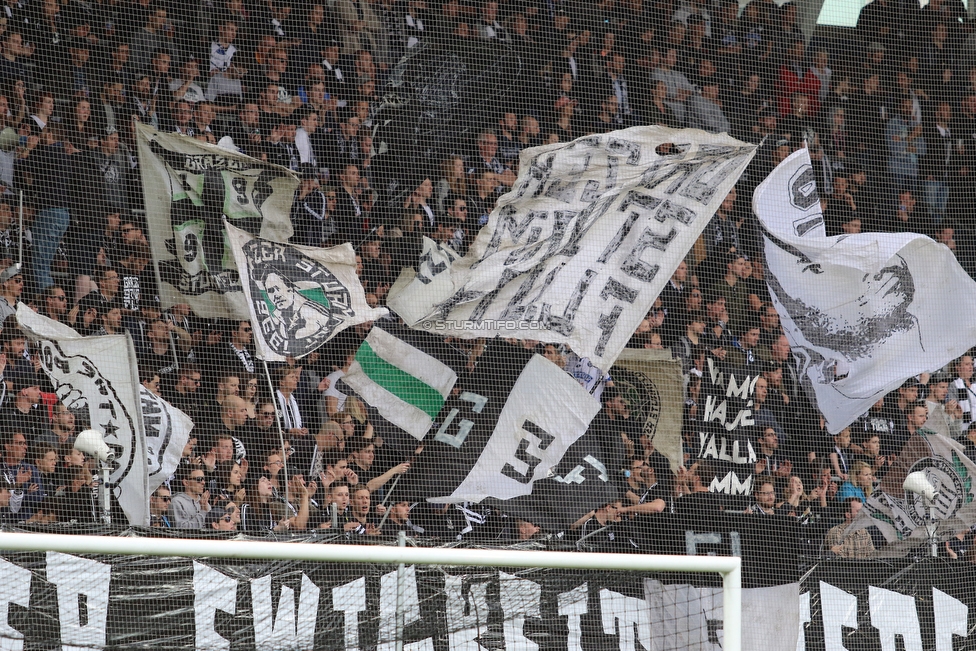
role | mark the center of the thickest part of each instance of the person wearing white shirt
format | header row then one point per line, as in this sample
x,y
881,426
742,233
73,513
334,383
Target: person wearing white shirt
x,y
309,121
225,77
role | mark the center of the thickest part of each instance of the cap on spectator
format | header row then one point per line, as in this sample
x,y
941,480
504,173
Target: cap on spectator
x,y
227,143
109,131
940,377
308,172
911,383
332,43
91,302
10,272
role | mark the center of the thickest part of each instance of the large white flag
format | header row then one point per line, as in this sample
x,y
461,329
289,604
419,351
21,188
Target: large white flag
x,y
862,312
189,187
579,249
167,432
99,375
298,297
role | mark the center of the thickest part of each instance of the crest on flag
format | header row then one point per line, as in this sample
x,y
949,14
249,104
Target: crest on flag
x,y
902,516
298,297
304,301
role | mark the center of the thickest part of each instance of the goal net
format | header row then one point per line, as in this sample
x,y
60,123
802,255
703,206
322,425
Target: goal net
x,y
285,596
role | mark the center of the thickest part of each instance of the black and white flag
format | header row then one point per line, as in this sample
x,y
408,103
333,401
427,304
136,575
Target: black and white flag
x,y
579,249
298,297
862,312
100,376
167,432
507,430
190,186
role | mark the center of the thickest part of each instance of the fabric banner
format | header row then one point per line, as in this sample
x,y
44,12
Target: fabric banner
x,y
862,312
167,432
650,382
406,385
581,482
58,600
727,430
901,516
579,249
298,297
507,428
544,413
54,600
189,187
99,375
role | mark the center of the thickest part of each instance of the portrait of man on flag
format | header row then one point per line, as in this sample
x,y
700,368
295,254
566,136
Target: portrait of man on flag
x,y
298,297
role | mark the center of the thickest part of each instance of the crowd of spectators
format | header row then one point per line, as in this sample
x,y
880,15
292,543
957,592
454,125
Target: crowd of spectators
x,y
890,123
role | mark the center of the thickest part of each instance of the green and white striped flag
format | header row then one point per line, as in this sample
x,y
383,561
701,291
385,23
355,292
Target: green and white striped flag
x,y
406,385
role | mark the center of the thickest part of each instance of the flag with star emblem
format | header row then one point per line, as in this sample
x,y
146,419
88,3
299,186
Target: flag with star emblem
x,y
98,376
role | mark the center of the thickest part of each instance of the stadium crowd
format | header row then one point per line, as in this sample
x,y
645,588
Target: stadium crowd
x,y
890,124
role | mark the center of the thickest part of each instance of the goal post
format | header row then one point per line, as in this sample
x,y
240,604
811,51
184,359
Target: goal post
x,y
729,567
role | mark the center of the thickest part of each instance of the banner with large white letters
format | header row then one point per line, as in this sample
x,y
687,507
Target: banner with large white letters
x,y
55,600
585,241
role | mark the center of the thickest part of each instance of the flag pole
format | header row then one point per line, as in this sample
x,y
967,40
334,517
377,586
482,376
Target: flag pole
x,y
281,432
159,289
386,514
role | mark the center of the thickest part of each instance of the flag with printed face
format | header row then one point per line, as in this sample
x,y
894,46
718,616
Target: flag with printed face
x,y
862,312
584,243
299,297
406,385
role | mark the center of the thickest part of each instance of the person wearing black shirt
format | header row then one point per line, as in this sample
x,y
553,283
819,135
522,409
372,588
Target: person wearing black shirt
x,y
312,212
22,414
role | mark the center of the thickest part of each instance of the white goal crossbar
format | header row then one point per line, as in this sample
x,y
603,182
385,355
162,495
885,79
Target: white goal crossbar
x,y
730,567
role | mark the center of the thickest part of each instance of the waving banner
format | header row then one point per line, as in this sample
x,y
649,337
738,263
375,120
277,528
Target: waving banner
x,y
862,312
579,249
405,384
99,376
189,187
513,422
167,432
298,297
